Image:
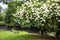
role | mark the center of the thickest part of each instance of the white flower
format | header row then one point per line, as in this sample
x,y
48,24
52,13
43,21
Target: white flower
x,y
27,21
45,6
58,20
42,24
58,7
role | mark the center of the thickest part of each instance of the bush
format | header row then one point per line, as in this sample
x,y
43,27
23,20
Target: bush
x,y
2,23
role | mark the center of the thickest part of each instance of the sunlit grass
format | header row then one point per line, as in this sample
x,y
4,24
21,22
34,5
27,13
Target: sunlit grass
x,y
15,35
22,35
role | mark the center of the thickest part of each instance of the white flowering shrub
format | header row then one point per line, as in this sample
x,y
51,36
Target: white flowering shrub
x,y
37,14
54,8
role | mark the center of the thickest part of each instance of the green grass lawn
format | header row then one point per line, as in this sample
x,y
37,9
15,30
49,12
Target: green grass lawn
x,y
22,35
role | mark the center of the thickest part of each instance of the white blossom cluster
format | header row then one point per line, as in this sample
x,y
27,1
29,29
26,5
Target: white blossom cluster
x,y
38,12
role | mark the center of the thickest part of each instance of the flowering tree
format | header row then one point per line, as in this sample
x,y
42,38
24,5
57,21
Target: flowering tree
x,y
38,14
28,13
54,8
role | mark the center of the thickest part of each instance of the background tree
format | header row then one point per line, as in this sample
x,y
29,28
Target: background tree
x,y
0,13
12,7
0,8
11,10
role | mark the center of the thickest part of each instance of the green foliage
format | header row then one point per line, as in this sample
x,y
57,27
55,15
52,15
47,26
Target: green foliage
x,y
2,18
11,10
0,8
2,23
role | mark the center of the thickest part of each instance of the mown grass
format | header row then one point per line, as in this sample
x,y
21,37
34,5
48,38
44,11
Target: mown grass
x,y
22,35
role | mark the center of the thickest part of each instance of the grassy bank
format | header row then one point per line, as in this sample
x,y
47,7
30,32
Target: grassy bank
x,y
22,35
